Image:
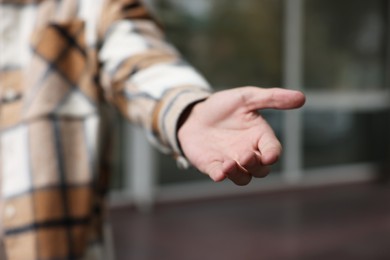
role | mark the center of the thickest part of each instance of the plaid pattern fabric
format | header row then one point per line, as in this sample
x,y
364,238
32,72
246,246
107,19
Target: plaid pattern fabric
x,y
59,62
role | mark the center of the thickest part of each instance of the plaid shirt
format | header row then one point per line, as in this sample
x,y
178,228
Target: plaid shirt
x,y
59,61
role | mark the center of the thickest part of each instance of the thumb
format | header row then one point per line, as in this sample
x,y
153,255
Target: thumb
x,y
274,98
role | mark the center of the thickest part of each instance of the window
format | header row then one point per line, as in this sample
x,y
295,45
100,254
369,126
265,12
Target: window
x,y
345,55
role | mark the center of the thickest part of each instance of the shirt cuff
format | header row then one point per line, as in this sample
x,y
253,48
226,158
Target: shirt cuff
x,y
168,113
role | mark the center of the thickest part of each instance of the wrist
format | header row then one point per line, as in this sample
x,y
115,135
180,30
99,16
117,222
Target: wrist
x,y
182,120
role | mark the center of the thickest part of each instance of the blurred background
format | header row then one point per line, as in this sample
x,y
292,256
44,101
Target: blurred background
x,y
328,194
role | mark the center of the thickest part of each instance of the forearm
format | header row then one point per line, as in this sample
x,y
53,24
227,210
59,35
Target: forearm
x,y
146,78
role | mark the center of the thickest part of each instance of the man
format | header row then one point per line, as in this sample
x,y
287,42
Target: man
x,y
59,61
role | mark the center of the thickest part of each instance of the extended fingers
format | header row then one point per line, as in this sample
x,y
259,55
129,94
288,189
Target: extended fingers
x,y
215,171
236,173
218,171
247,166
241,171
270,148
251,161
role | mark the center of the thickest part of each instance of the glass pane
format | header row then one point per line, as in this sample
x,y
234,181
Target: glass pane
x,y
344,45
232,43
332,138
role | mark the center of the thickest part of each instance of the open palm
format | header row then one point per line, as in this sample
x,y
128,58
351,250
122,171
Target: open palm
x,y
225,136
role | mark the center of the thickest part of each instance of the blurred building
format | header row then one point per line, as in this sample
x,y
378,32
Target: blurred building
x,y
337,52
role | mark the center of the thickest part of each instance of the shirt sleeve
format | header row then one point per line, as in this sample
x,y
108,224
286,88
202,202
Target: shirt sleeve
x,y
143,74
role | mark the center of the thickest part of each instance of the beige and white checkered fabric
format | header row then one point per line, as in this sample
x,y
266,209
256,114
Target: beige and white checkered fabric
x,y
59,61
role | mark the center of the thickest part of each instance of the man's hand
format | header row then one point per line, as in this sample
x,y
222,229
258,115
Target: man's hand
x,y
226,137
